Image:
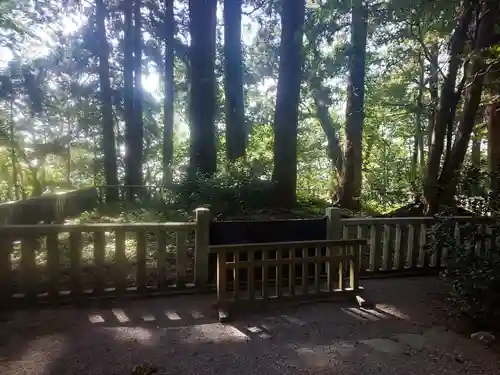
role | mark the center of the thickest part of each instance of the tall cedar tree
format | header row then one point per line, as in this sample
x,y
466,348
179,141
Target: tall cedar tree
x,y
444,190
350,185
444,114
108,132
136,167
128,82
233,81
168,101
202,22
287,102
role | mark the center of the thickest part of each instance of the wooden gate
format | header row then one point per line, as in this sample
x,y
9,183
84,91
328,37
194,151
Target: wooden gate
x,y
251,273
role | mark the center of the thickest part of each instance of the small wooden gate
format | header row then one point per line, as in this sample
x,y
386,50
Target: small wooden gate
x,y
294,271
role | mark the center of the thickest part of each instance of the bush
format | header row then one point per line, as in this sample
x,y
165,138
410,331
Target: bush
x,y
472,267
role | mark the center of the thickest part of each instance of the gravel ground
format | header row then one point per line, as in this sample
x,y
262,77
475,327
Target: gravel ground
x,y
402,336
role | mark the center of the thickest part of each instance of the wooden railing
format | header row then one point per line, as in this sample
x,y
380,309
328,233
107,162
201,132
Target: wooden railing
x,y
48,208
247,273
58,263
402,244
132,192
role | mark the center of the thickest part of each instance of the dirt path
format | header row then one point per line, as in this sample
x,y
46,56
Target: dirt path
x,y
181,336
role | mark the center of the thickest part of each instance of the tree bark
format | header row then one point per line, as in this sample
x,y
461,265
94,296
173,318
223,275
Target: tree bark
x,y
203,153
236,134
334,150
287,102
350,187
434,91
493,113
108,132
136,175
168,101
128,88
451,167
445,110
418,151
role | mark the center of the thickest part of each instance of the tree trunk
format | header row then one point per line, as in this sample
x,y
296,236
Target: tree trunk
x,y
321,98
445,111
451,167
434,91
350,188
236,134
168,101
13,153
287,102
136,165
418,152
475,158
203,153
128,87
493,113
108,132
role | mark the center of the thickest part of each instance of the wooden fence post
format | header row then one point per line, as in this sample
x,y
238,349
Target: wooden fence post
x,y
201,244
332,233
333,223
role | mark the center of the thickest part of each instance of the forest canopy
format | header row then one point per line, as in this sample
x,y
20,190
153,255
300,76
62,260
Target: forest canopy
x,y
372,104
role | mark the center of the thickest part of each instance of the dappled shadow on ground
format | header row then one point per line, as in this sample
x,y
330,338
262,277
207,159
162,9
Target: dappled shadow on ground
x,y
181,336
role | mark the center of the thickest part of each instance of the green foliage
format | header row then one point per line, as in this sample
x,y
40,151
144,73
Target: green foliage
x,y
472,265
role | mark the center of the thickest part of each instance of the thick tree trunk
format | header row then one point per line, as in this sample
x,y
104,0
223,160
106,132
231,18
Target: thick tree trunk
x,y
433,90
108,131
350,188
136,167
128,87
493,113
287,102
334,150
203,153
445,111
418,152
236,134
451,167
168,101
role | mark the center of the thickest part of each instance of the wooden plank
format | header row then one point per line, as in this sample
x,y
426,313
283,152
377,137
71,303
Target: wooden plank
x,y
75,250
317,284
28,267
120,262
411,246
53,266
354,271
236,276
285,261
386,256
142,276
291,273
285,245
398,250
44,229
360,236
221,277
202,235
161,261
305,271
341,269
99,260
423,255
265,281
251,278
180,259
5,272
279,273
373,248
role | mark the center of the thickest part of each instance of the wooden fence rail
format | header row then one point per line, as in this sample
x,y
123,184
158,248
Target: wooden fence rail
x,y
56,263
247,273
403,244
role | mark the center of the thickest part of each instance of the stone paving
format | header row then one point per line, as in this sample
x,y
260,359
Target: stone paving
x,y
401,335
